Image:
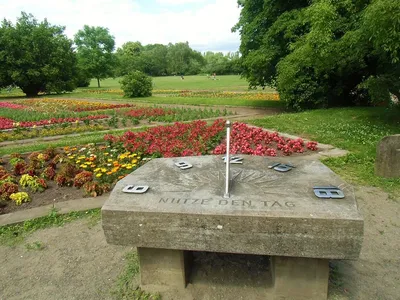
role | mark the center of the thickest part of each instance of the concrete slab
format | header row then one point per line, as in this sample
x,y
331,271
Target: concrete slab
x,y
268,213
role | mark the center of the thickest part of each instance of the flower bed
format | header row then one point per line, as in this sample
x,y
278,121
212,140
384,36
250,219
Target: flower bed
x,y
92,169
203,94
174,114
45,131
256,141
196,138
95,169
6,123
11,105
69,105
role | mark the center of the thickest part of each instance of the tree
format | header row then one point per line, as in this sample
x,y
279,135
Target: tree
x,y
221,64
183,60
322,53
130,58
94,49
137,84
37,57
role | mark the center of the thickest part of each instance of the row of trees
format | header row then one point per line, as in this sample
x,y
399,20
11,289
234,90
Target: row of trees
x,y
38,57
321,53
173,59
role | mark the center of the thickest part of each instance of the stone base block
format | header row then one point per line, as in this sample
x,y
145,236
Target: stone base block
x,y
300,278
162,269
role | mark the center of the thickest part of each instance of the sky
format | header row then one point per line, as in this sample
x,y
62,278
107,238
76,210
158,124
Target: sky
x,y
205,24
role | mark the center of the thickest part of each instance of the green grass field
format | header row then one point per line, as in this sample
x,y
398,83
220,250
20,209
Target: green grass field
x,y
197,82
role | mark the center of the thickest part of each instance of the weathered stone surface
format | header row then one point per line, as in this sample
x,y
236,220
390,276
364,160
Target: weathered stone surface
x,y
268,213
387,163
163,267
300,278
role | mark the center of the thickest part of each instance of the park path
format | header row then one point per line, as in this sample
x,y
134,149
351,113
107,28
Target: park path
x,y
77,263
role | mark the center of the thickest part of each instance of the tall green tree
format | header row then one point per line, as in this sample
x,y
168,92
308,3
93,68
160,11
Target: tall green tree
x,y
183,60
95,47
37,57
130,58
321,53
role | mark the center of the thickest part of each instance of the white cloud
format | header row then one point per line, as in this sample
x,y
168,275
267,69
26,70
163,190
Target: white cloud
x,y
206,27
179,2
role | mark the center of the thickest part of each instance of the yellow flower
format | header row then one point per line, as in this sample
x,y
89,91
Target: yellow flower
x,y
134,161
97,170
109,160
83,166
99,175
103,170
78,161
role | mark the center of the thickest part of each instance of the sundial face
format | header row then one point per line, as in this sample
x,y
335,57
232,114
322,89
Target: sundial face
x,y
254,188
267,212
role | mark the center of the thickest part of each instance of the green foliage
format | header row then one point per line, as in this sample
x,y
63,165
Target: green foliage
x,y
37,57
94,50
136,84
158,60
355,129
322,53
221,64
82,78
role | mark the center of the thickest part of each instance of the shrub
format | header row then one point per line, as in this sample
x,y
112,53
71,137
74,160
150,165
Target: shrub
x,y
136,84
19,168
82,177
7,189
15,160
94,188
33,182
20,197
48,173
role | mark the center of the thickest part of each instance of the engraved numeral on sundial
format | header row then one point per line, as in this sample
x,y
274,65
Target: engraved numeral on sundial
x,y
135,189
183,165
328,192
234,160
281,167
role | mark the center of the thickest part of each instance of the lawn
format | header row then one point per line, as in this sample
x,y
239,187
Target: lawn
x,y
355,129
226,90
194,82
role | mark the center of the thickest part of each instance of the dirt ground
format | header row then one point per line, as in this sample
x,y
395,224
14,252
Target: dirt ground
x,y
77,263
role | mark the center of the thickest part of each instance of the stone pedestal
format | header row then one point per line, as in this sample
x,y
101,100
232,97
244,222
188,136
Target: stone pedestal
x,y
163,268
300,278
387,163
268,213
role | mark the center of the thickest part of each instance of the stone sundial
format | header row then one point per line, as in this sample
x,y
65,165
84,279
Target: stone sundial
x,y
191,203
170,207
